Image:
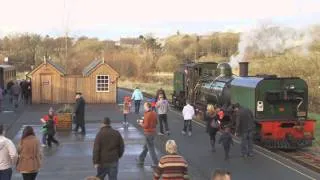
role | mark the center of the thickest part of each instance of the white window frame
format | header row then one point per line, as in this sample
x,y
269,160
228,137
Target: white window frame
x,y
98,83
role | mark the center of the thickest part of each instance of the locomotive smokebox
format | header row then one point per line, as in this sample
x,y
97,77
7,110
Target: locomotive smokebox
x,y
243,69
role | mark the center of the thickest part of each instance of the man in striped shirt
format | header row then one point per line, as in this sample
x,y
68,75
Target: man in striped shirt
x,y
171,166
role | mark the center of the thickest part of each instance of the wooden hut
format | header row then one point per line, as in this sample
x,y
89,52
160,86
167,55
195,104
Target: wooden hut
x,y
51,84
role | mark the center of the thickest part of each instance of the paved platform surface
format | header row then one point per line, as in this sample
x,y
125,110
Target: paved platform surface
x,y
73,159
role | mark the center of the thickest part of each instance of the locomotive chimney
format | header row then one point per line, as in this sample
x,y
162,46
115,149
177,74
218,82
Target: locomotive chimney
x,y
243,69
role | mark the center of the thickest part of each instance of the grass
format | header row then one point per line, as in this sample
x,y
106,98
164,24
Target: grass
x,y
148,87
317,133
151,83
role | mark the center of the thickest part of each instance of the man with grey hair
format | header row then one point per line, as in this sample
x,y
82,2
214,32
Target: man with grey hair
x,y
220,174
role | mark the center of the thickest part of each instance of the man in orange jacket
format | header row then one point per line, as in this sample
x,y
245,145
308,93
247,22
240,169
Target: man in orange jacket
x,y
148,124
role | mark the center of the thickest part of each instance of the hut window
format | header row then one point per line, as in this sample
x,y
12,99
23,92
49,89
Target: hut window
x,y
102,83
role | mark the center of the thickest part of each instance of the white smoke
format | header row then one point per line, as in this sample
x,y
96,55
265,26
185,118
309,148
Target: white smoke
x,y
270,40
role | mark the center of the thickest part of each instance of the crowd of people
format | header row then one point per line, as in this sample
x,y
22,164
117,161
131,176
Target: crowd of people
x,y
216,120
18,92
27,157
109,144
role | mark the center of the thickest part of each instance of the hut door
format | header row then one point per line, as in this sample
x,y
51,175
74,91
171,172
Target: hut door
x,y
46,89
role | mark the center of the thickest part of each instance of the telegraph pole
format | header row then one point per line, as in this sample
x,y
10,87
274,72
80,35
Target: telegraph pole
x,y
66,23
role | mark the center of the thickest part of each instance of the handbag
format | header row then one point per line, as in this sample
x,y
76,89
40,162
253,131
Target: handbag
x,y
214,124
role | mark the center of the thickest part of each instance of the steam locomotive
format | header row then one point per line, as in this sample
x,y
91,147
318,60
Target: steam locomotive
x,y
279,104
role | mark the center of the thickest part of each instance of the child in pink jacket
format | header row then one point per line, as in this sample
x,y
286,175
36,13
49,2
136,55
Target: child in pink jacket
x,y
126,109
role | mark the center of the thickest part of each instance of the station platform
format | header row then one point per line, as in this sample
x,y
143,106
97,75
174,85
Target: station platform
x,y
72,160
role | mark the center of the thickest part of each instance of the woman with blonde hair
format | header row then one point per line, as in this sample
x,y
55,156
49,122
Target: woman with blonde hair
x,y
171,166
212,124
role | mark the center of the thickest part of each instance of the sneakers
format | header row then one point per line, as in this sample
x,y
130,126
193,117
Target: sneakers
x,y
160,134
183,132
43,145
189,133
168,133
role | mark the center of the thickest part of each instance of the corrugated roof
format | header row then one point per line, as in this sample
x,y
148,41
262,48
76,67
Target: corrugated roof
x,y
57,66
7,66
87,70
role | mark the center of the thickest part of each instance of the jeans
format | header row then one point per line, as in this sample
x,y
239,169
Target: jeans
x,y
44,138
226,151
26,98
29,176
110,169
16,100
247,143
187,125
212,134
149,146
163,120
6,174
137,106
125,117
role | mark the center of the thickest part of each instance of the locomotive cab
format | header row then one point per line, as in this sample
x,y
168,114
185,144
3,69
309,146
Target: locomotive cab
x,y
187,80
280,107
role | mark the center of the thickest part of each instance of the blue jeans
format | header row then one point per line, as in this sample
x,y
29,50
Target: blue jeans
x,y
110,168
137,106
44,138
247,143
187,125
6,174
149,147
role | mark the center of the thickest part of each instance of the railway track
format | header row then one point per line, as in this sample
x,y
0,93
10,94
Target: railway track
x,y
307,158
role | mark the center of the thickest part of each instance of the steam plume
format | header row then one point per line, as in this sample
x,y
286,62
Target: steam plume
x,y
269,40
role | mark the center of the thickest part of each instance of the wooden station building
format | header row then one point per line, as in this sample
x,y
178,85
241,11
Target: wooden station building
x,y
52,85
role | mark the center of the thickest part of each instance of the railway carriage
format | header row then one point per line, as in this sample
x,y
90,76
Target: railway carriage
x,y
279,104
7,74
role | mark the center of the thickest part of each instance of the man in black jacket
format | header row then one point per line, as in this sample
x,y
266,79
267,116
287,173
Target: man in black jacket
x,y
107,150
245,126
79,110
